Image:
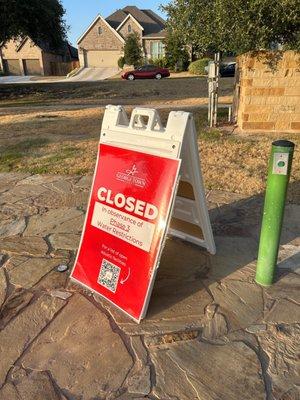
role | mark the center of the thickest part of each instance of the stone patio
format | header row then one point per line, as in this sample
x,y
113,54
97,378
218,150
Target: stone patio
x,y
210,333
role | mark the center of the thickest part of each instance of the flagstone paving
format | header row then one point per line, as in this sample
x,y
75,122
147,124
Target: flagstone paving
x,y
210,332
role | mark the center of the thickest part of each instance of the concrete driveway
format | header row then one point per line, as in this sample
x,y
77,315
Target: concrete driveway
x,y
94,74
86,74
15,79
30,78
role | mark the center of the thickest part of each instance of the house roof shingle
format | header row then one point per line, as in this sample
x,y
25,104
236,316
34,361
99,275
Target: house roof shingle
x,y
116,18
160,34
152,23
155,17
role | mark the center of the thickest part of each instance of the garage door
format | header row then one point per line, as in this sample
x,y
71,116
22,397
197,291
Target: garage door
x,y
12,67
96,58
32,67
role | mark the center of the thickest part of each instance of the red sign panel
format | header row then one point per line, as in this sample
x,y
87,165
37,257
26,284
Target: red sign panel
x,y
126,221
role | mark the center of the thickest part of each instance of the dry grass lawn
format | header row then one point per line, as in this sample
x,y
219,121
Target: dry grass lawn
x,y
65,142
116,91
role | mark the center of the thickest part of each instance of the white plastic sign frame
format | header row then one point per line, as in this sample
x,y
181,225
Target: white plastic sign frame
x,y
145,132
188,217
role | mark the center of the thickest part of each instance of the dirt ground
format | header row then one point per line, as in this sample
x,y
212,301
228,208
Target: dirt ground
x,y
54,128
116,91
65,142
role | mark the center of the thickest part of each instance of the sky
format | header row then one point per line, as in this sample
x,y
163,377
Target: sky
x,y
80,13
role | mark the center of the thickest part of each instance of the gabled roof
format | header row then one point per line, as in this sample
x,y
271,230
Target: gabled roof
x,y
148,19
20,43
155,17
94,22
151,24
44,46
116,18
124,20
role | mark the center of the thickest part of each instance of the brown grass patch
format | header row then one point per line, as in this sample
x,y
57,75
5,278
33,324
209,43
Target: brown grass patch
x,y
65,142
114,91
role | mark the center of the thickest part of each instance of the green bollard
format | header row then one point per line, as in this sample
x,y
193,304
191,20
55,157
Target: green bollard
x,y
280,164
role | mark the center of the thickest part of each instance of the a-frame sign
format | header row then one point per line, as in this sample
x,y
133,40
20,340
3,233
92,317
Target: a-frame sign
x,y
147,183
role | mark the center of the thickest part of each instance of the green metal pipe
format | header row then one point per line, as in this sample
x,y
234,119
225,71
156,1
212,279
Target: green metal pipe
x,y
280,164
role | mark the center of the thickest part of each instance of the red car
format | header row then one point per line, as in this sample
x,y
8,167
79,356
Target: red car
x,y
146,72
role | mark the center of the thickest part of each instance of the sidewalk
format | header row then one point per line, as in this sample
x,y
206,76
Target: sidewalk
x,y
12,79
210,333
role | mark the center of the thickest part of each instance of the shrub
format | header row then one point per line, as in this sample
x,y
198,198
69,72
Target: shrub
x,y
198,67
133,50
182,62
159,62
177,55
121,62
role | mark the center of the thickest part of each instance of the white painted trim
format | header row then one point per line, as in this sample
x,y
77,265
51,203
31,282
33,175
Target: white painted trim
x,y
22,44
125,19
93,23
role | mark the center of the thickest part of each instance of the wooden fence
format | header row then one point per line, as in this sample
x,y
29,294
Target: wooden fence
x,y
63,68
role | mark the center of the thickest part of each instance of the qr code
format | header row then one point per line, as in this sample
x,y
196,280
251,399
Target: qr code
x,y
109,275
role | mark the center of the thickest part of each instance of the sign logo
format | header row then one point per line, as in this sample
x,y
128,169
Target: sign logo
x,y
129,177
132,171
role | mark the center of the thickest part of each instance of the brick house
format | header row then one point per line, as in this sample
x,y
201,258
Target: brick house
x,y
24,57
101,45
268,99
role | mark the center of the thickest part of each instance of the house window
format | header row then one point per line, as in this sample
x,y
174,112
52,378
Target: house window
x,y
99,30
129,28
157,49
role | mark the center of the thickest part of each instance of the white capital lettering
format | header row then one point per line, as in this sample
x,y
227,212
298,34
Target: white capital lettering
x,y
151,211
139,207
99,193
